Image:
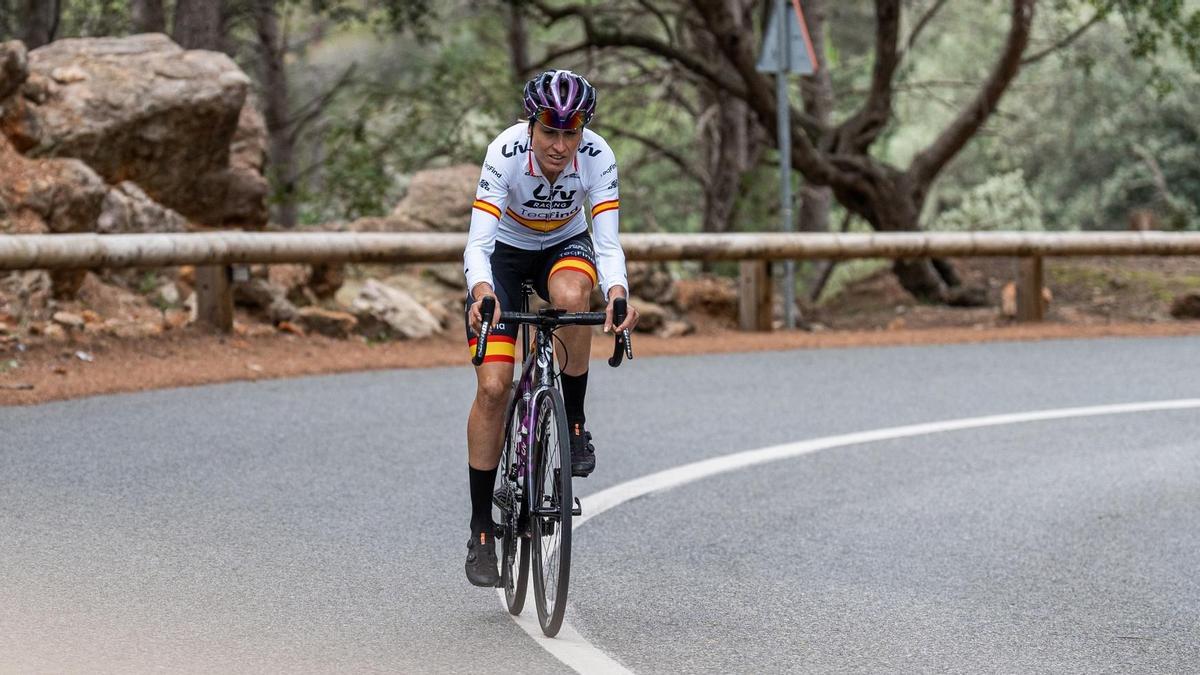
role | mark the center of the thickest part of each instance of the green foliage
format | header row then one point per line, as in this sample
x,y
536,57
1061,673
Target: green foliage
x,y
1002,202
94,18
412,106
1082,128
1097,129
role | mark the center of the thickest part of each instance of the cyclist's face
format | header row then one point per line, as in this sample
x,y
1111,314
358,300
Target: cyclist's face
x,y
554,148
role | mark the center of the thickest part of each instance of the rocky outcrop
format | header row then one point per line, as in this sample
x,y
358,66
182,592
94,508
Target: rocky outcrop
x,y
384,311
438,200
128,209
326,322
142,109
47,196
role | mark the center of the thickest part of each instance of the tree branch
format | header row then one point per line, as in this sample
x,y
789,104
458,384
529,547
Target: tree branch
x,y
922,22
1065,42
929,162
662,20
858,132
676,158
557,54
597,38
308,112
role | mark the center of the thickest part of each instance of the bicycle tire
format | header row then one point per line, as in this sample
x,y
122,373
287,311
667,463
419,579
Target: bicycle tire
x,y
514,549
550,505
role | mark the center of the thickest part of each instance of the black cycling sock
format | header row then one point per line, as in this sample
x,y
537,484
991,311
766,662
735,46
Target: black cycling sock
x,y
574,388
482,483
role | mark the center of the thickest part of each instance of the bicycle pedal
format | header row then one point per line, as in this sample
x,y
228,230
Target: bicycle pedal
x,y
578,510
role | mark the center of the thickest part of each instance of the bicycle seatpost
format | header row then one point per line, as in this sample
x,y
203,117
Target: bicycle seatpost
x,y
622,348
486,308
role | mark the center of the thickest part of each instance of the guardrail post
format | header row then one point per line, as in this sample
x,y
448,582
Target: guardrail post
x,y
754,295
214,296
1031,305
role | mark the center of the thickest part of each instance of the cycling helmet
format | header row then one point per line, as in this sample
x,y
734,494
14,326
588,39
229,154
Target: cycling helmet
x,y
560,99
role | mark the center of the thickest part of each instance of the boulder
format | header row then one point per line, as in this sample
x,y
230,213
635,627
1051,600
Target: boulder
x,y
143,109
378,303
715,296
444,303
262,296
651,280
438,200
653,316
39,196
326,322
127,209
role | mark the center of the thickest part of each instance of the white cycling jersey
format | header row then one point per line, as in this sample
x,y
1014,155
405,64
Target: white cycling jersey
x,y
517,205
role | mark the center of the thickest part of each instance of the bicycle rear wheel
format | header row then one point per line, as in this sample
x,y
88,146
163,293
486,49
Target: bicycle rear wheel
x,y
514,549
550,506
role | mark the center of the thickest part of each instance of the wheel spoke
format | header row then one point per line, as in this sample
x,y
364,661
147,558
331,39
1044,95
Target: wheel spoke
x,y
552,512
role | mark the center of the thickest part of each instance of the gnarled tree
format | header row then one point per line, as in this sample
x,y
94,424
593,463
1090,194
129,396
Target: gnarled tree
x,y
826,153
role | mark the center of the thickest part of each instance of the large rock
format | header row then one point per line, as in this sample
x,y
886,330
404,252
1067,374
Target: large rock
x,y
266,298
438,200
378,303
41,196
326,322
143,109
651,280
128,209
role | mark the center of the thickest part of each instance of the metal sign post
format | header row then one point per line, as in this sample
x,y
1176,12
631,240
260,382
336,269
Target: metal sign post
x,y
786,49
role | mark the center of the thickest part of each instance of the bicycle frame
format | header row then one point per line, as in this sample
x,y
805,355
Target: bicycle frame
x,y
537,374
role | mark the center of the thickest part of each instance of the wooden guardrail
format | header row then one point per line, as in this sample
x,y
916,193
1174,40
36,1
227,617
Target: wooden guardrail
x,y
214,252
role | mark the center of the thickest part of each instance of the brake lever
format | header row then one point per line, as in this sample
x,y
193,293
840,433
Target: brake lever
x,y
622,347
486,308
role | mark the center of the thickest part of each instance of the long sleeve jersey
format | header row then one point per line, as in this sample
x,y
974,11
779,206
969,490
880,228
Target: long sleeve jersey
x,y
517,205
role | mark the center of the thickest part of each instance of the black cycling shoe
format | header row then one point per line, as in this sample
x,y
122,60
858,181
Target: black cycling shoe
x,y
481,560
583,453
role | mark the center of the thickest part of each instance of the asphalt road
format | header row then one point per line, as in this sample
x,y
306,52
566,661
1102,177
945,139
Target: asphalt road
x,y
319,524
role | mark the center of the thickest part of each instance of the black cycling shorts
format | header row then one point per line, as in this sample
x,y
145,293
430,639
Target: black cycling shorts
x,y
511,266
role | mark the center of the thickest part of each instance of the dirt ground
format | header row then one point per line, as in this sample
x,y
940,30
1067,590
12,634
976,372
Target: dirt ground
x,y
1091,298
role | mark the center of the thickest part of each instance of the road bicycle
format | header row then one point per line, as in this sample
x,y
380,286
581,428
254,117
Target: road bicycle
x,y
534,495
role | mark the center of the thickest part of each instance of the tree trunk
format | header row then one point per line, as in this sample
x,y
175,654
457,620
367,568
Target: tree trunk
x,y
148,16
730,140
41,22
840,157
518,48
893,204
817,90
275,111
198,24
518,42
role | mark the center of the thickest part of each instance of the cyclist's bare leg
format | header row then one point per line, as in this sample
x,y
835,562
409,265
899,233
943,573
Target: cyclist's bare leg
x,y
572,291
485,425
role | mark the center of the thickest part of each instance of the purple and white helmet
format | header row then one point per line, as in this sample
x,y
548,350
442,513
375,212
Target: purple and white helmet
x,y
560,99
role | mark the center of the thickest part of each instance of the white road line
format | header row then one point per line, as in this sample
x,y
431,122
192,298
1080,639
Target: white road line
x,y
581,656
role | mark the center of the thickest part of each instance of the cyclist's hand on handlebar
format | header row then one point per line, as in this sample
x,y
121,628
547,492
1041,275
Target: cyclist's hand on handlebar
x,y
475,318
631,317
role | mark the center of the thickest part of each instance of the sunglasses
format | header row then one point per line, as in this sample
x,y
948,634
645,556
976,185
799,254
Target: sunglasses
x,y
574,121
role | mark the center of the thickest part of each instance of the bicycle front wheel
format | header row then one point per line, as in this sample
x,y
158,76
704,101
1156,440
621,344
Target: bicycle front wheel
x,y
550,507
514,550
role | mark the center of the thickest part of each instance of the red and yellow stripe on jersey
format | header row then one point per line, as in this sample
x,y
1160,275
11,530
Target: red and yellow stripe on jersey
x,y
486,208
573,263
540,225
605,206
500,349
